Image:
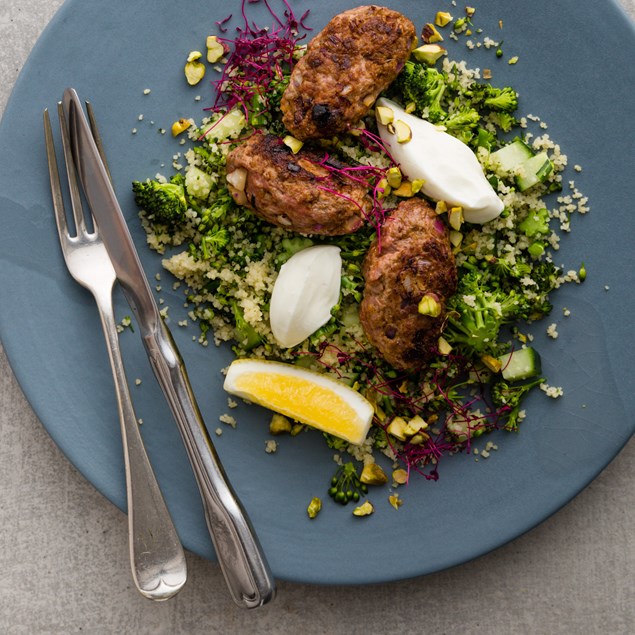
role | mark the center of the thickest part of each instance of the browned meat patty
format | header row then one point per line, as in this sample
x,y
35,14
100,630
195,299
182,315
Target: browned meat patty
x,y
357,55
412,258
294,191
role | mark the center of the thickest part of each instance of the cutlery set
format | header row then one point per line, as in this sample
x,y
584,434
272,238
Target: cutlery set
x,y
98,253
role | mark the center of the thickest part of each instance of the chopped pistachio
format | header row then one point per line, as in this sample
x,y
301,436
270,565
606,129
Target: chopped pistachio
x,y
365,509
384,115
429,34
279,425
428,53
393,176
314,507
371,395
403,131
513,60
400,476
456,238
441,207
292,143
404,190
383,188
442,18
417,184
179,126
194,70
395,501
455,218
444,346
429,305
416,424
215,49
296,428
372,474
396,427
419,438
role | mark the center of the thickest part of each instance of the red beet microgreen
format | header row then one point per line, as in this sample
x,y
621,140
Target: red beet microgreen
x,y
259,59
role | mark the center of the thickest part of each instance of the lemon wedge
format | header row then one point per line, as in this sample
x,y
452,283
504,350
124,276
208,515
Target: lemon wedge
x,y
306,396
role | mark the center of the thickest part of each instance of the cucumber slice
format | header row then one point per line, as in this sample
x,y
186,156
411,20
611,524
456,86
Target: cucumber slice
x,y
521,364
534,170
509,157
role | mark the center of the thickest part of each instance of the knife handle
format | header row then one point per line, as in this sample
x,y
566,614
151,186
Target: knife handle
x,y
240,556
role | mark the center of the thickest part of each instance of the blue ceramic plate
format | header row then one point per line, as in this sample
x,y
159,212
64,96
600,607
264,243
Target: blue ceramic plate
x,y
574,70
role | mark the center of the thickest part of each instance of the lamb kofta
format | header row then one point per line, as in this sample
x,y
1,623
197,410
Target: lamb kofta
x,y
411,261
353,59
295,191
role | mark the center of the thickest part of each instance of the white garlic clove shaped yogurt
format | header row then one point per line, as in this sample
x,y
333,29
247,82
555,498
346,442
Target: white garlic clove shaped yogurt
x,y
448,168
305,291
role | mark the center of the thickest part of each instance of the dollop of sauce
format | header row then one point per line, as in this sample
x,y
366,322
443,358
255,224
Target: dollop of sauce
x,y
305,291
448,168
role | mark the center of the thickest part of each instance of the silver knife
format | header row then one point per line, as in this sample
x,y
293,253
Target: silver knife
x,y
239,553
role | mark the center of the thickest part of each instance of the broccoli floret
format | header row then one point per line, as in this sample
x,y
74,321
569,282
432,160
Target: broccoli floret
x,y
503,120
476,314
424,87
213,241
462,119
508,399
501,99
164,203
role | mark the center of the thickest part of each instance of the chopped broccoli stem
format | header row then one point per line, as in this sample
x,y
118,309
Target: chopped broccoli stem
x,y
246,334
536,223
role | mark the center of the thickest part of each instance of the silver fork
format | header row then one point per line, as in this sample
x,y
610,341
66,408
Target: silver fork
x,y
156,555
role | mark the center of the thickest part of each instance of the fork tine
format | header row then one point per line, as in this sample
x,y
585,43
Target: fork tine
x,y
76,201
54,177
98,142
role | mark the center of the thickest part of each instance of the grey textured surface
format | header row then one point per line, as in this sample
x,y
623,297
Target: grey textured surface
x,y
63,553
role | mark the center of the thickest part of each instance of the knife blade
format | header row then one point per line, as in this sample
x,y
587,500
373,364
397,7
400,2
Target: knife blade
x,y
242,561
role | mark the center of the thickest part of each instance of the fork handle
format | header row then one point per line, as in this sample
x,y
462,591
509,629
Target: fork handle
x,y
157,559
250,582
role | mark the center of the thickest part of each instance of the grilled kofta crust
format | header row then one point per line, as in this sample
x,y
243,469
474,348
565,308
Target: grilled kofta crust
x,y
357,55
294,191
412,258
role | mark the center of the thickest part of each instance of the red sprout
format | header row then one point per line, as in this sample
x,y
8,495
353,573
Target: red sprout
x,y
258,58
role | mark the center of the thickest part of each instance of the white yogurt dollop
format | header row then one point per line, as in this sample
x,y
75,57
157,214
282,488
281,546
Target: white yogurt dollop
x,y
450,170
305,291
